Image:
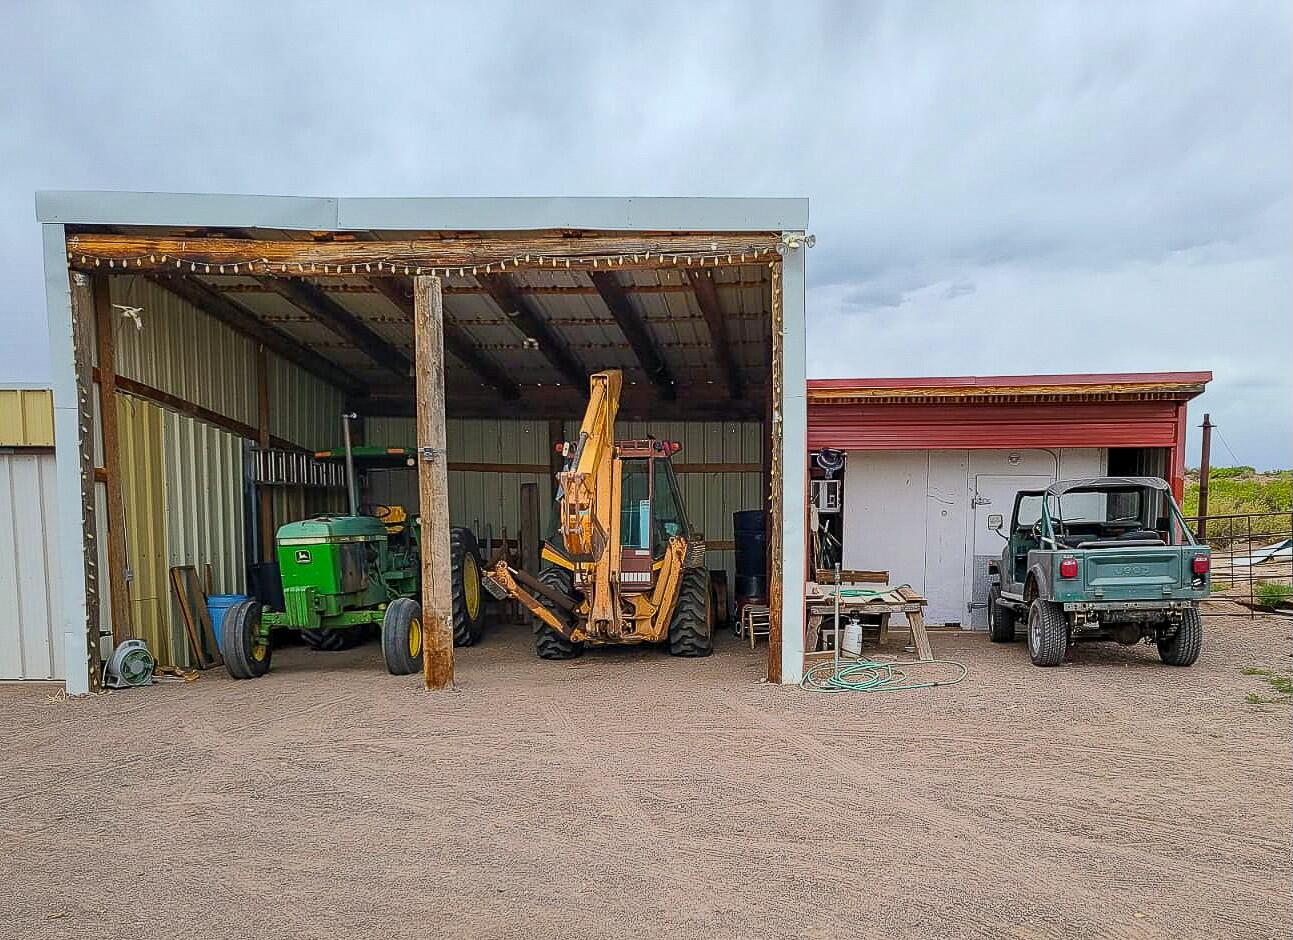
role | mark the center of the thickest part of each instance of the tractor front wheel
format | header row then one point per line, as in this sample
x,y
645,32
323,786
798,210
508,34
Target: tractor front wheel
x,y
246,653
691,628
402,636
468,593
548,643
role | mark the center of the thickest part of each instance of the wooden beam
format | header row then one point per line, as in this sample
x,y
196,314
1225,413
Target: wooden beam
x,y
213,302
399,291
530,321
132,254
566,404
82,328
433,486
319,305
702,282
105,339
636,331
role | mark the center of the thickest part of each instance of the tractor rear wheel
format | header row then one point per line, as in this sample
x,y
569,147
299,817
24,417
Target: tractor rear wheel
x,y
548,643
246,654
1048,633
1001,620
332,639
468,594
1182,648
402,636
691,628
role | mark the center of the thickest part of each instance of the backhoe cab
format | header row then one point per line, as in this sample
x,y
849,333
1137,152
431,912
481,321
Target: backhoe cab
x,y
623,565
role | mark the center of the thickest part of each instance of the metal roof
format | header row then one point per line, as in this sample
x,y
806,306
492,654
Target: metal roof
x,y
961,386
1098,484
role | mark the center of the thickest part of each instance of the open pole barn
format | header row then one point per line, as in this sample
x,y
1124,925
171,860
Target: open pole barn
x,y
198,340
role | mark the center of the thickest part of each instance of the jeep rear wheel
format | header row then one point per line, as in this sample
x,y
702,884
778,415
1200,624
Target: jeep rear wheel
x,y
1182,648
1048,633
1001,620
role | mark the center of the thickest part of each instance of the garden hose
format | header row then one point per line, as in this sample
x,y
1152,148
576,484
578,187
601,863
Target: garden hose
x,y
870,675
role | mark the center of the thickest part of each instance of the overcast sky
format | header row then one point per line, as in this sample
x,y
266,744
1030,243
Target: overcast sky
x,y
995,187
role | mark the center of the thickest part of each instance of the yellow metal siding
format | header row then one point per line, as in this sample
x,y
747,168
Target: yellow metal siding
x,y
26,417
31,639
142,487
181,350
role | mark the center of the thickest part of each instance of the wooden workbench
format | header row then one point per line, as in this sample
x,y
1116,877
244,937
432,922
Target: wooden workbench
x,y
821,605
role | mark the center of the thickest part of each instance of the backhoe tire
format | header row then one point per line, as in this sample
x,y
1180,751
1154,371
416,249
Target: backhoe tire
x,y
246,655
402,636
333,639
548,643
1001,620
691,628
468,592
1184,646
1048,633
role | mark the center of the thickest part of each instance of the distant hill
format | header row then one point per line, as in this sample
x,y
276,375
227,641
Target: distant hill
x,y
1243,490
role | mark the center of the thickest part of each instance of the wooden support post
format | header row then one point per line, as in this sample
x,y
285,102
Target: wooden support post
x,y
264,495
1205,472
105,340
530,527
433,484
776,507
82,320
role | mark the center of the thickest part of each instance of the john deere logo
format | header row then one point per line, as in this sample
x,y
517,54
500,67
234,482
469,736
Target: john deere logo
x,y
302,557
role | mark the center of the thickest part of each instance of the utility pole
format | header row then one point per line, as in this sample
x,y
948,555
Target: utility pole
x,y
1205,471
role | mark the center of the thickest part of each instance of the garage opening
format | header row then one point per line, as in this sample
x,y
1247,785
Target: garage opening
x,y
224,361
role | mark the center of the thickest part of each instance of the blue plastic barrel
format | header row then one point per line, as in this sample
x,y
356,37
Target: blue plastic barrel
x,y
217,604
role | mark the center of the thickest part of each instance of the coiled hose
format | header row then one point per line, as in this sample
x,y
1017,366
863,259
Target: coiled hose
x,y
870,675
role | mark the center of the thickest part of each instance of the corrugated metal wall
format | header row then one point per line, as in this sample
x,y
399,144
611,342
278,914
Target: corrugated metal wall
x,y
180,350
205,518
139,429
302,408
26,417
31,639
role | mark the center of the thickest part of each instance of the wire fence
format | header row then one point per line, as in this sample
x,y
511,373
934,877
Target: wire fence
x,y
1252,561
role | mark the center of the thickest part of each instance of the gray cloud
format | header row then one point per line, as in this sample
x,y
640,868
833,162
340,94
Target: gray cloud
x,y
1110,178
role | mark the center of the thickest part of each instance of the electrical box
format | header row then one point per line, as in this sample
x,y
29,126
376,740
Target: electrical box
x,y
827,495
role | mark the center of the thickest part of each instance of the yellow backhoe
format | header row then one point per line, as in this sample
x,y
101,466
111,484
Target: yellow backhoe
x,y
624,565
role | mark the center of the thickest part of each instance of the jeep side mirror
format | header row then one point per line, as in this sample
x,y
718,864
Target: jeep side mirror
x,y
995,522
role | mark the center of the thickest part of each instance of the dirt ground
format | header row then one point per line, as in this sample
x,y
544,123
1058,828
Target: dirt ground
x,y
629,794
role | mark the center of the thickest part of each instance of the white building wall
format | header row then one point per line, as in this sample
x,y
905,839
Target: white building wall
x,y
31,641
921,515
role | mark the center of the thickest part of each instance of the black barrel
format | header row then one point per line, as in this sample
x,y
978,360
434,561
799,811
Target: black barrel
x,y
266,584
751,529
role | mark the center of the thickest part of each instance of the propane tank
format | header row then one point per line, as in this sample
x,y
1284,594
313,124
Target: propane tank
x,y
852,640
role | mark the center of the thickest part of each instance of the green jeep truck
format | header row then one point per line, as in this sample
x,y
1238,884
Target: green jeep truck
x,y
1108,558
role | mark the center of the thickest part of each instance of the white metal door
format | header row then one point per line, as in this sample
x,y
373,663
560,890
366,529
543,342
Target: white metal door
x,y
993,494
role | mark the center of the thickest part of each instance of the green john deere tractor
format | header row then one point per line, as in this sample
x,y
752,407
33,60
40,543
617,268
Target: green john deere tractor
x,y
342,575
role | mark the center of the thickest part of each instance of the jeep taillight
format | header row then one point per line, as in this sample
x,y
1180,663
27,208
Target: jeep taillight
x,y
1069,568
1201,564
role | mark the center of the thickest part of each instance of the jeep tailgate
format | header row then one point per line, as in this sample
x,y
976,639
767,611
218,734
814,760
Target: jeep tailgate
x,y
1131,573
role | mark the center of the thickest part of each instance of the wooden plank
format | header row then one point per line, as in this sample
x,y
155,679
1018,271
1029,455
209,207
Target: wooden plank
x,y
702,282
852,576
530,538
399,291
105,338
192,600
245,321
920,639
718,468
433,485
318,304
776,507
136,253
83,316
636,331
499,467
530,321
